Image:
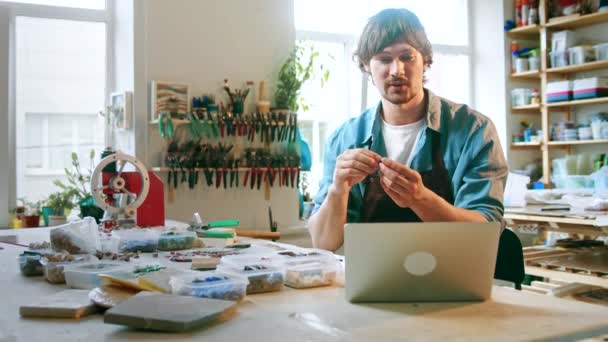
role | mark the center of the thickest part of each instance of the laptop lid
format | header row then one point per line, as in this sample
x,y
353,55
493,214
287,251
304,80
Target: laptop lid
x,y
420,262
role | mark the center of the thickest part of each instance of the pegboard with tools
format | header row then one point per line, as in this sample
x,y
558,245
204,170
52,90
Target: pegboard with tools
x,y
222,147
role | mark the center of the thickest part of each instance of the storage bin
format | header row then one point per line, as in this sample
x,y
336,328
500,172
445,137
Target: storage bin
x,y
601,182
262,276
86,275
136,240
176,241
559,91
54,270
573,182
581,54
29,264
562,40
558,59
601,52
521,97
591,87
302,275
287,258
533,63
209,285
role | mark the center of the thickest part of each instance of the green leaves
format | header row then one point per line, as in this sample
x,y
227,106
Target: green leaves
x,y
298,68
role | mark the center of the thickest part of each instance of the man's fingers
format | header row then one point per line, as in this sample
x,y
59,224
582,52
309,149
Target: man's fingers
x,y
365,156
405,171
393,177
392,184
357,165
350,175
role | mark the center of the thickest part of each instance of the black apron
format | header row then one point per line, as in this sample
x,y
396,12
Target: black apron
x,y
379,207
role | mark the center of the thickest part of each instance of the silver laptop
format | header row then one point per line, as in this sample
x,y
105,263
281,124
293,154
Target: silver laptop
x,y
420,262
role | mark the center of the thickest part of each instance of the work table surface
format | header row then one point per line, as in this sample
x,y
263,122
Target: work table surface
x,y
320,314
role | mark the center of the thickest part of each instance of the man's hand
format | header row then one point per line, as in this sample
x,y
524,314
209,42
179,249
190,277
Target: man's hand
x,y
352,166
402,184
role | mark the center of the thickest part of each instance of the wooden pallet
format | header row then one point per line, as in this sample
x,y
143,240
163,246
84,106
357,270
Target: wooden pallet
x,y
594,263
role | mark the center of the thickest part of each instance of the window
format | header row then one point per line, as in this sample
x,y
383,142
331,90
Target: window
x,y
90,4
60,76
348,92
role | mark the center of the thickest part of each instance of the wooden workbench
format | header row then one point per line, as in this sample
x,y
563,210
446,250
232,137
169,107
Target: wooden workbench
x,y
321,314
587,223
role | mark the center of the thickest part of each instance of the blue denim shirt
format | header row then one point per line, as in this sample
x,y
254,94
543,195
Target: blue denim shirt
x,y
471,149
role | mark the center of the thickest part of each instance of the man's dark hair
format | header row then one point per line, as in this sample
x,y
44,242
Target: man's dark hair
x,y
387,27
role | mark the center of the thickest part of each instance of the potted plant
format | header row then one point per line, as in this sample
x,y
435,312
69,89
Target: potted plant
x,y
59,202
31,217
79,184
299,67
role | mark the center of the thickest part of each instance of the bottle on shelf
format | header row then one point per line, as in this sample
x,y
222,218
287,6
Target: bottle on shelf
x,y
533,13
514,54
517,13
524,13
535,97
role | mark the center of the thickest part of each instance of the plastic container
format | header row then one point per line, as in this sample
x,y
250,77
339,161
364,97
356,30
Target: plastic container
x,y
521,65
573,182
287,258
558,59
54,270
136,240
581,54
85,276
209,285
304,274
262,277
585,132
176,241
601,182
590,87
533,63
521,97
559,91
30,265
601,52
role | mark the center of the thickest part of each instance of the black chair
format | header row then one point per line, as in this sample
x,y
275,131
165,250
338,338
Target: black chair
x,y
510,259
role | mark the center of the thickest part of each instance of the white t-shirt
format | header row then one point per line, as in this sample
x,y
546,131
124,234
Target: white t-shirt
x,y
400,140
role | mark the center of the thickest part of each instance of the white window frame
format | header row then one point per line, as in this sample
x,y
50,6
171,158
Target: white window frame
x,y
14,10
45,169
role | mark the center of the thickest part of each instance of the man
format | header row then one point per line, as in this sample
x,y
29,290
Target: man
x,y
416,156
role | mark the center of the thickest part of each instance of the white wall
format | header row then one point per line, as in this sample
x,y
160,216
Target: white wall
x,y
201,43
6,149
487,36
123,67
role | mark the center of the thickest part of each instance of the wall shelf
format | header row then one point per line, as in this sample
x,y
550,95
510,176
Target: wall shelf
x,y
577,142
578,21
587,102
526,31
526,108
531,75
529,144
571,69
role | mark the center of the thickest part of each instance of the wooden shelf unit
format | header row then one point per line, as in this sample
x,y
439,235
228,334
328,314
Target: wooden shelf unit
x,y
530,144
577,142
526,108
578,21
572,69
542,32
586,102
524,32
528,75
